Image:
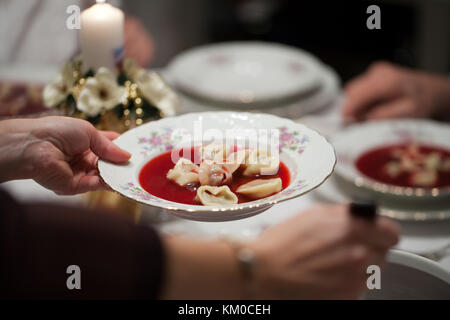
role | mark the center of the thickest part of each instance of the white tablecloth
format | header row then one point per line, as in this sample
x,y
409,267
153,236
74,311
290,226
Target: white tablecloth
x,y
417,237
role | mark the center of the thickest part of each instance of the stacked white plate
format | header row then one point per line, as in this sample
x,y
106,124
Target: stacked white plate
x,y
256,76
402,203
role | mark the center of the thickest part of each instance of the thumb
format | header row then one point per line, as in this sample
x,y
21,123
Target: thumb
x,y
106,149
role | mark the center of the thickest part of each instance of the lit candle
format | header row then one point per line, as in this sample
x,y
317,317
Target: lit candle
x,y
101,36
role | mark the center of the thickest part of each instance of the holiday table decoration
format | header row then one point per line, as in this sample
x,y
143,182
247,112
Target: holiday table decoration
x,y
108,90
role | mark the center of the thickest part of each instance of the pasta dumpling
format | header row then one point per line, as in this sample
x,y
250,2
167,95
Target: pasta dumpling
x,y
261,162
214,174
184,172
215,152
236,159
260,188
212,196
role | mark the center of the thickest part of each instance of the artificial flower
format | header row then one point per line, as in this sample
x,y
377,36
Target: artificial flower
x,y
57,90
100,93
155,90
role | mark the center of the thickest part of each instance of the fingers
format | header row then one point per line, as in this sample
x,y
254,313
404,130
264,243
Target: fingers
x,y
380,83
395,109
381,234
106,149
111,135
90,183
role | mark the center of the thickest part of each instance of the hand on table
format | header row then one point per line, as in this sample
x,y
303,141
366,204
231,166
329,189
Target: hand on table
x,y
57,152
320,254
389,91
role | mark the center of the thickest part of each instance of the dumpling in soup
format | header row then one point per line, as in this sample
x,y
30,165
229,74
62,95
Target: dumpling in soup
x,y
236,159
214,174
184,172
216,196
261,162
260,188
214,151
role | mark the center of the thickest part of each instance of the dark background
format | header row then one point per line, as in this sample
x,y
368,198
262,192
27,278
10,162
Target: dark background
x,y
414,33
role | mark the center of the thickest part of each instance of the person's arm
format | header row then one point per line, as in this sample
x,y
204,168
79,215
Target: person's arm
x,y
389,91
199,269
39,241
60,153
322,253
14,140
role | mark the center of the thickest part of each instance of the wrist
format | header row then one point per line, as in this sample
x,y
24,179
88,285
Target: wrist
x,y
199,269
15,139
246,259
438,94
443,98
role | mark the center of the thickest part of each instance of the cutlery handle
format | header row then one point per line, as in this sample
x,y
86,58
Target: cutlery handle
x,y
364,209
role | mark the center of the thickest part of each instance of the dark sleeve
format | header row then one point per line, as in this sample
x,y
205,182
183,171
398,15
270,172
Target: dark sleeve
x,y
39,242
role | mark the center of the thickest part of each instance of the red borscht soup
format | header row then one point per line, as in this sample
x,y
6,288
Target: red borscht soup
x,y
407,165
153,178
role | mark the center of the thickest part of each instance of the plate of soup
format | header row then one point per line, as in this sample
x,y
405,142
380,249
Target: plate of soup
x,y
408,158
219,166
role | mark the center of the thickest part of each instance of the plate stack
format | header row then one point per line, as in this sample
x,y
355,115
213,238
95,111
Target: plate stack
x,y
398,202
252,76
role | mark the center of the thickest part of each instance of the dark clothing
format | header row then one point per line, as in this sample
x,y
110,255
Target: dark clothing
x,y
38,242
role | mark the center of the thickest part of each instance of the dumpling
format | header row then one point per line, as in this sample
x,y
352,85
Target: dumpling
x,y
260,188
184,172
261,162
214,174
216,196
214,152
235,159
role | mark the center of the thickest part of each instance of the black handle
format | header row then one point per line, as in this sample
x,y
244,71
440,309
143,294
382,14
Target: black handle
x,y
364,209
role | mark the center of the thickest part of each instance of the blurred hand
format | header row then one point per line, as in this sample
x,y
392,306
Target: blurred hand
x,y
138,42
59,153
388,91
320,254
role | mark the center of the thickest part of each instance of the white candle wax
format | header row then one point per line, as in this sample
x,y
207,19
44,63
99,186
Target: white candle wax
x,y
101,36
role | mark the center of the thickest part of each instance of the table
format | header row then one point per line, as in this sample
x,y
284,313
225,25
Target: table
x,y
417,237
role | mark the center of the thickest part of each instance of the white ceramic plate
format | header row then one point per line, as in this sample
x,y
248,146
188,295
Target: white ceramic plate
x,y
245,72
308,156
325,96
409,276
357,139
335,190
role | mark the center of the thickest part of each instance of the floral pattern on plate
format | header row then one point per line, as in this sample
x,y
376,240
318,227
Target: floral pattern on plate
x,y
308,156
292,140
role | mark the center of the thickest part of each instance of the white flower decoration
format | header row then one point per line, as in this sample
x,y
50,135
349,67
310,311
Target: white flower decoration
x,y
100,93
155,90
57,90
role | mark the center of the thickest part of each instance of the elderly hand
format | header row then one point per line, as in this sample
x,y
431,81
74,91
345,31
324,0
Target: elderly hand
x,y
57,152
388,91
321,254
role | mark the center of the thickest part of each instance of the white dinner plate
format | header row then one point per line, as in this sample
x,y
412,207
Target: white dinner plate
x,y
308,156
245,73
337,190
407,276
324,97
353,141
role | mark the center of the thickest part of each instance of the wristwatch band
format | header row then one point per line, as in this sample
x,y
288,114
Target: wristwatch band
x,y
246,260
